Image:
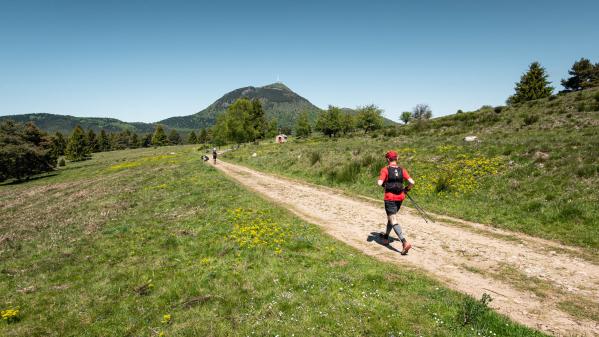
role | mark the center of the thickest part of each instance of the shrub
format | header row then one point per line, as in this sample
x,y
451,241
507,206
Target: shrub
x,y
61,162
443,183
552,97
471,310
460,111
530,119
498,109
596,97
314,158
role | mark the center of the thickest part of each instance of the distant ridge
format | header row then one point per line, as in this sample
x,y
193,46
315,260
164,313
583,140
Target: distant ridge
x,y
279,102
65,124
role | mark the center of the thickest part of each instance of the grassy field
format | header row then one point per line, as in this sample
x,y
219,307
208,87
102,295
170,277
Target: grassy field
x,y
152,242
534,168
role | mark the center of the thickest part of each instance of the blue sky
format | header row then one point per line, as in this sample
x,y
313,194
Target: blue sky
x,y
149,60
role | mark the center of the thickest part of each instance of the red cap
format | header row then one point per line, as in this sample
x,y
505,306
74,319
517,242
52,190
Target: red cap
x,y
392,155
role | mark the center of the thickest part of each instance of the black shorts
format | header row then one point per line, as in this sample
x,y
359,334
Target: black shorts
x,y
392,207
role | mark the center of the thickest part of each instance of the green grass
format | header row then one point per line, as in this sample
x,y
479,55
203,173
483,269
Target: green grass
x,y
109,246
535,169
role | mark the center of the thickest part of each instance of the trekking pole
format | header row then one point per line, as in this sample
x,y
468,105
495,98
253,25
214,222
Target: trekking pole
x,y
423,214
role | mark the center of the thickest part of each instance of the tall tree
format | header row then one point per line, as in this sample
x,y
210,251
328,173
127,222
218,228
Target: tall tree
x,y
203,136
59,144
583,75
236,124
24,151
192,139
77,147
329,121
405,117
103,141
92,142
348,123
422,111
302,127
258,119
174,137
369,118
146,141
533,85
134,142
159,138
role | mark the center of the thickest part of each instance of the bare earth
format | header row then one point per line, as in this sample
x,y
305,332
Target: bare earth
x,y
527,277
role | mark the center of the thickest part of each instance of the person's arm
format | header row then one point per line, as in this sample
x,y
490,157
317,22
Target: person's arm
x,y
382,177
407,178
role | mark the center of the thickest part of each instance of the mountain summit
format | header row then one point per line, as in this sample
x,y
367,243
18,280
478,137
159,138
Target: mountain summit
x,y
279,102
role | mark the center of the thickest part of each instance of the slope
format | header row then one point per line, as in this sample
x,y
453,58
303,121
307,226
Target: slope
x,y
534,167
279,102
65,124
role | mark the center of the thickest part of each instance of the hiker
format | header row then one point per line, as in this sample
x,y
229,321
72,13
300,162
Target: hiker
x,y
214,155
392,178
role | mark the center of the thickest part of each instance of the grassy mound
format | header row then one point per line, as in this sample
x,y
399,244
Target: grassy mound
x,y
153,242
534,167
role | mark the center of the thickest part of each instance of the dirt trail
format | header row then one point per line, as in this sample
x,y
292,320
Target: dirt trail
x,y
503,264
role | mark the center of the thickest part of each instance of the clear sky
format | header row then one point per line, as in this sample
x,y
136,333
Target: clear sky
x,y
149,60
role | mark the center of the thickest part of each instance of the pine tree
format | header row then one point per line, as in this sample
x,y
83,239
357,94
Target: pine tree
x,y
77,147
174,138
192,139
24,151
159,138
92,142
369,118
302,127
103,141
533,85
59,144
583,74
146,140
203,136
134,142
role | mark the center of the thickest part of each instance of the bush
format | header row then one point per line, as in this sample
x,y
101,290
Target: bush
x,y
530,119
471,310
498,109
314,158
61,162
596,97
443,183
581,107
552,97
460,111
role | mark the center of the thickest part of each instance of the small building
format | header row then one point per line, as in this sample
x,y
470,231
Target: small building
x,y
281,138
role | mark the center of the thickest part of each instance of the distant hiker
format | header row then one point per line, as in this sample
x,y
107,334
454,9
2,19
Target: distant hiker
x,y
214,155
205,158
392,178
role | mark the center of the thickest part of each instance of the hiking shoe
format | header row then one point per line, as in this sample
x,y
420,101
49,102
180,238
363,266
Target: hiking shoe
x,y
406,247
385,239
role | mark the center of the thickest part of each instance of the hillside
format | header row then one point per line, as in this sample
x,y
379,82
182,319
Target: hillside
x,y
152,242
278,100
534,167
65,124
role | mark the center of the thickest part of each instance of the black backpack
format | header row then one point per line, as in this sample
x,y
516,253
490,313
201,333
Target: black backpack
x,y
394,182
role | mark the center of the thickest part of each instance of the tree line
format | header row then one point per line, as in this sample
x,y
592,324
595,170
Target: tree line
x,y
26,151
